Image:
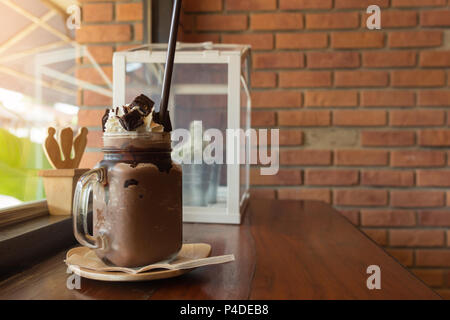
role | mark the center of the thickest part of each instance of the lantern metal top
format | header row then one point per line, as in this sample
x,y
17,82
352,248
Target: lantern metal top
x,y
204,46
158,51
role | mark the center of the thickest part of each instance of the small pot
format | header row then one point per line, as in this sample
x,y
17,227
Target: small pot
x,y
59,187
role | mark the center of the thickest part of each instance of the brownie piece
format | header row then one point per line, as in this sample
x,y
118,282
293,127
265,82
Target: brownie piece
x,y
144,104
131,120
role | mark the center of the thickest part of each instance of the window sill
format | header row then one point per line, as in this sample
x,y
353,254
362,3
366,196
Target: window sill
x,y
23,212
25,243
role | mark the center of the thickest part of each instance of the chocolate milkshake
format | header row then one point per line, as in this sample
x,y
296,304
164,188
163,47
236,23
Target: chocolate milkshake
x,y
138,204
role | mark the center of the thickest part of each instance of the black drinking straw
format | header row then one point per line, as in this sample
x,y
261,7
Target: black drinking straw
x,y
164,118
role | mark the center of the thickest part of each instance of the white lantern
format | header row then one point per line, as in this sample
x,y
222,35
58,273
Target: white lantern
x,y
210,84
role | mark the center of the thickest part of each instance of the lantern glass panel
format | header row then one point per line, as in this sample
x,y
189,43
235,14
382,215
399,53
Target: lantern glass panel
x,y
209,94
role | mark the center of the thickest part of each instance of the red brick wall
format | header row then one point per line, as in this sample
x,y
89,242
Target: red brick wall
x,y
363,114
107,26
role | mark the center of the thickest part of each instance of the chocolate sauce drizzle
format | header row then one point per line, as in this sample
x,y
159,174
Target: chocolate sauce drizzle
x,y
161,159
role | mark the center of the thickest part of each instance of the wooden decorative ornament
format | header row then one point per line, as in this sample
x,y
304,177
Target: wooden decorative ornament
x,y
60,183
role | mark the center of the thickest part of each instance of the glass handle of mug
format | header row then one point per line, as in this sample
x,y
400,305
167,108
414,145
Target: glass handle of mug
x,y
81,205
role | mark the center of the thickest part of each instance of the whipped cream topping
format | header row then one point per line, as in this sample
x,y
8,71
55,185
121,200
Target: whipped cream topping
x,y
114,125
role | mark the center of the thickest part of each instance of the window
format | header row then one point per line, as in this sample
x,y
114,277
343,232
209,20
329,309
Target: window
x,y
38,89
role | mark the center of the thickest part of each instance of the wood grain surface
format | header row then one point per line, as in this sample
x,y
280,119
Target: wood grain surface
x,y
283,250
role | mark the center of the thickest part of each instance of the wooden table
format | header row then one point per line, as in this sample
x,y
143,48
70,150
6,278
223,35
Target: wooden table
x,y
283,249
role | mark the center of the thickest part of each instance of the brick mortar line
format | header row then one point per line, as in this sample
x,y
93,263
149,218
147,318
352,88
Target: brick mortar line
x,y
114,11
380,170
415,67
344,108
367,187
329,31
359,186
350,208
360,68
445,237
315,10
361,50
110,1
358,108
358,89
388,189
413,148
418,49
386,167
331,126
374,186
386,148
442,87
110,23
361,29
384,206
